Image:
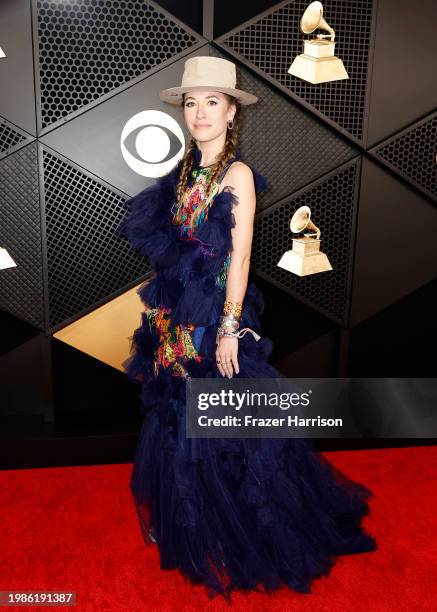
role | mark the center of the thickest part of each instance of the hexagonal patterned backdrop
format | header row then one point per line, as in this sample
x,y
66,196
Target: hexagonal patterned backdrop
x,y
89,49
77,72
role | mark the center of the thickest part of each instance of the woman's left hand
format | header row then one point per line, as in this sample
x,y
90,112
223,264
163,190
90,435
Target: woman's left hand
x,y
226,354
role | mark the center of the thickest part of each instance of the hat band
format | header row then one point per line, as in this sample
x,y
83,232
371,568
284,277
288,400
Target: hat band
x,y
210,81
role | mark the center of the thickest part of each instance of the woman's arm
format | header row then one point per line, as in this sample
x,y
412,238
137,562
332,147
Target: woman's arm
x,y
242,233
240,178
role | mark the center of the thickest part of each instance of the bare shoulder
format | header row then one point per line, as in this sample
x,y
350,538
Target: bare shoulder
x,y
239,176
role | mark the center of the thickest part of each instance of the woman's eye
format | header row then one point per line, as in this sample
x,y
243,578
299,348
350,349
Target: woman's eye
x,y
188,104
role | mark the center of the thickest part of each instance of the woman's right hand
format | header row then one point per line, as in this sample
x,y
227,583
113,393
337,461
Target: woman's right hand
x,y
227,354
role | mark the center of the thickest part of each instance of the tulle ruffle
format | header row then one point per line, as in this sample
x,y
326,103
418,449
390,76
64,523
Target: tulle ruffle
x,y
241,513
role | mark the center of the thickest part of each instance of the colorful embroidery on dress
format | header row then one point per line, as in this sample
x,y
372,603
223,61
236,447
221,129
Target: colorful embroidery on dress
x,y
223,274
193,197
175,343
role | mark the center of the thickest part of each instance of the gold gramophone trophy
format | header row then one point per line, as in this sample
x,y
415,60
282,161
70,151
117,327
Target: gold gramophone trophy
x,y
305,257
317,63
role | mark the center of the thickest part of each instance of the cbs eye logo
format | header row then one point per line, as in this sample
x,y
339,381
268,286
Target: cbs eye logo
x,y
158,141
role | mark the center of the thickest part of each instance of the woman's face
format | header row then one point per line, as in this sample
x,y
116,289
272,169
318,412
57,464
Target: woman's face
x,y
207,113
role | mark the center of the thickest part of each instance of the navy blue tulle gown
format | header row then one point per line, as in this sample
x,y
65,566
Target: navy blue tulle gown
x,y
227,513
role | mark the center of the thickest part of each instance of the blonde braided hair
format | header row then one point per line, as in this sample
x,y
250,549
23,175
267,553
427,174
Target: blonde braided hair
x,y
229,150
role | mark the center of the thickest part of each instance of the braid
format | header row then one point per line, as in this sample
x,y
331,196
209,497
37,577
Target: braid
x,y
229,151
183,178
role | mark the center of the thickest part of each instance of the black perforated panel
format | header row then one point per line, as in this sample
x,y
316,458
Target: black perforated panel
x,y
412,153
9,137
20,233
285,143
272,42
333,209
86,261
88,48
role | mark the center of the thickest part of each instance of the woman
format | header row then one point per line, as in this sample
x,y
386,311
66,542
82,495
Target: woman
x,y
228,513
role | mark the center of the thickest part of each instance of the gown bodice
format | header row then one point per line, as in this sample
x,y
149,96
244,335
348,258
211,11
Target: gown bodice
x,y
194,195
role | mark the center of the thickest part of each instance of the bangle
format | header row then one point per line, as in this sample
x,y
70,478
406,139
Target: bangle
x,y
239,334
232,308
229,322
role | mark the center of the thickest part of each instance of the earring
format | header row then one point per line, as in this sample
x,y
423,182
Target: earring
x,y
230,126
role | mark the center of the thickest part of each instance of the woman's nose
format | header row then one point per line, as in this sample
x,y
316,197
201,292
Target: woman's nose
x,y
200,110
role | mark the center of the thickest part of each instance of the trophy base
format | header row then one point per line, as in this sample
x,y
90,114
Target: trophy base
x,y
318,69
310,263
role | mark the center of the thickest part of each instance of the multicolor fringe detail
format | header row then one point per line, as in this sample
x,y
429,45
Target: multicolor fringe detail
x,y
174,344
222,276
193,197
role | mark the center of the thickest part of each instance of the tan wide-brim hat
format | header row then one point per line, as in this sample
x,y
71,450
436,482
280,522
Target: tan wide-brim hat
x,y
207,73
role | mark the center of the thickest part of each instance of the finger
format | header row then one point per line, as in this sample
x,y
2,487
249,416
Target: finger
x,y
235,364
230,364
235,359
228,367
224,369
219,365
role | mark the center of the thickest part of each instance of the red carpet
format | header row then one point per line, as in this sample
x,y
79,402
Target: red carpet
x,y
75,529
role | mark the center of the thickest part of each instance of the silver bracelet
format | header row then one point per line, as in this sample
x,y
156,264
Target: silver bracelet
x,y
229,322
223,332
